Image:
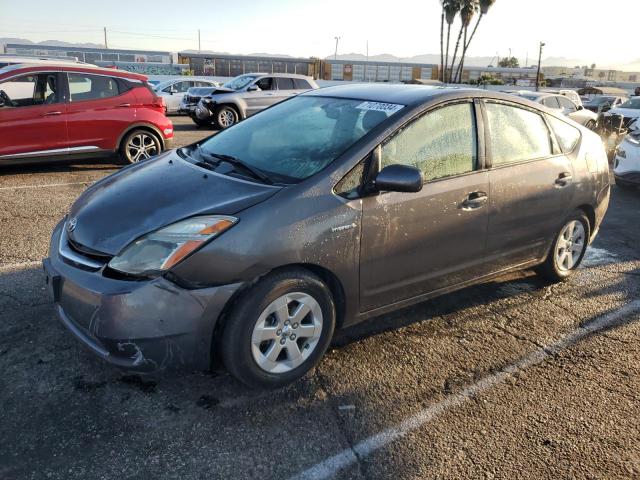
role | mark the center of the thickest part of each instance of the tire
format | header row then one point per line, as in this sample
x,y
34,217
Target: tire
x,y
139,145
258,346
225,116
559,266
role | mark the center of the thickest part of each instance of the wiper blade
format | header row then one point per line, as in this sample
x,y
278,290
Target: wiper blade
x,y
236,162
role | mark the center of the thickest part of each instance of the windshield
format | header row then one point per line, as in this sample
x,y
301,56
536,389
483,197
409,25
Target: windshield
x,y
240,82
299,137
631,103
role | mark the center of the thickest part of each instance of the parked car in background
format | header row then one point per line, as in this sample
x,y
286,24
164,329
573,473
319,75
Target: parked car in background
x,y
629,110
247,94
190,99
173,91
570,94
153,83
57,111
563,105
626,163
312,215
603,103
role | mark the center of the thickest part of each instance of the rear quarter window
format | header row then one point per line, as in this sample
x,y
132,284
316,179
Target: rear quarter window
x,y
301,84
567,135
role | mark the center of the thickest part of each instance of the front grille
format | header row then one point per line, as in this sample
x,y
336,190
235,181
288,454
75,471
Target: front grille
x,y
89,252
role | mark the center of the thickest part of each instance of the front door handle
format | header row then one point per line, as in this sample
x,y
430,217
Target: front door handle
x,y
124,105
51,113
563,179
474,200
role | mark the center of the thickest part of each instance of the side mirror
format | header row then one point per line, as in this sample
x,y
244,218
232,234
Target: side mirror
x,y
399,178
579,107
253,88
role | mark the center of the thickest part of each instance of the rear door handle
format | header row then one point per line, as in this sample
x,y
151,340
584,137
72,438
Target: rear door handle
x,y
124,105
564,179
51,113
474,200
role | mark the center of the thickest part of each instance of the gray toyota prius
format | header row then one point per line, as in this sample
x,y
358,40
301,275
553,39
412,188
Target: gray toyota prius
x,y
256,244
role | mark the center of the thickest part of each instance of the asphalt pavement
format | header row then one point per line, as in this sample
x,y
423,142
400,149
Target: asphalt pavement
x,y
516,378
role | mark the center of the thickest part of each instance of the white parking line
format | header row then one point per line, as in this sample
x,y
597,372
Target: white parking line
x,y
332,465
46,185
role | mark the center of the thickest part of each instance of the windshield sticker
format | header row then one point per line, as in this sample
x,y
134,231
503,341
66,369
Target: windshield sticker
x,y
389,108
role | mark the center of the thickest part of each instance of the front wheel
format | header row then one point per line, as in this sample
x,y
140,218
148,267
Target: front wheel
x,y
139,145
278,330
568,249
225,116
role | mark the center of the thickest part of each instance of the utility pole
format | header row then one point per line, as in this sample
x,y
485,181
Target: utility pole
x,y
106,45
199,41
335,55
542,44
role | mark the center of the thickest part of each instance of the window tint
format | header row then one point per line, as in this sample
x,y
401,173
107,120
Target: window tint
x,y
551,102
440,144
285,83
566,134
516,134
84,86
567,104
30,90
301,84
265,83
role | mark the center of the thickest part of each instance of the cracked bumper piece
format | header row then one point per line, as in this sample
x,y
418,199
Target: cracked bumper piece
x,y
142,326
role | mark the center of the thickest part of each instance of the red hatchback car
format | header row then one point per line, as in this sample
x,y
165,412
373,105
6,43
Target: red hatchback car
x,y
53,112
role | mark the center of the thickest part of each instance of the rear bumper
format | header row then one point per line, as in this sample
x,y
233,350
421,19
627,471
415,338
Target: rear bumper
x,y
143,326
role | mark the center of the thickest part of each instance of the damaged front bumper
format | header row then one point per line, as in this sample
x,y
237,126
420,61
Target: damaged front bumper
x,y
143,326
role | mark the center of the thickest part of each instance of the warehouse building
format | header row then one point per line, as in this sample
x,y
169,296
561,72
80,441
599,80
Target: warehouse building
x,y
223,65
373,71
140,61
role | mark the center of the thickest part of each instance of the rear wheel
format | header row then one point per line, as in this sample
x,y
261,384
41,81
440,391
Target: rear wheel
x,y
568,248
278,330
225,116
139,145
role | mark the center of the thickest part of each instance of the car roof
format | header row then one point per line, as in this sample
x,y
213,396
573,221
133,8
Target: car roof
x,y
20,68
286,75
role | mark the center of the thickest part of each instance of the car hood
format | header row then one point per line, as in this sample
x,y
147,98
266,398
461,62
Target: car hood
x,y
145,197
220,90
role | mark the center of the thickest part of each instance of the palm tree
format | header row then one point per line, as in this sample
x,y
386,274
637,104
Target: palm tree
x,y
450,9
467,11
485,5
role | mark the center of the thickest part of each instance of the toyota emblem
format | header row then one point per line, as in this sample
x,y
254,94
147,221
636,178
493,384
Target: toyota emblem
x,y
71,226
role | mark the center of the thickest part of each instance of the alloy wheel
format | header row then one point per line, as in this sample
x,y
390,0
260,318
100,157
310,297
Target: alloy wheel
x,y
286,332
570,245
226,118
141,147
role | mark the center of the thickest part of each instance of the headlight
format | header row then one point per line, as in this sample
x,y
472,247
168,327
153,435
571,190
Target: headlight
x,y
160,250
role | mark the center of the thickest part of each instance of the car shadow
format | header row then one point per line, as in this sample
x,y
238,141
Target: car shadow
x,y
68,166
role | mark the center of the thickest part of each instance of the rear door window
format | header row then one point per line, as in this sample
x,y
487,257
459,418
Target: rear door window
x,y
567,135
516,134
83,86
285,83
301,84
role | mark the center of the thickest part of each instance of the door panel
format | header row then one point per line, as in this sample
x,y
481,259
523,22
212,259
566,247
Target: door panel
x,y
96,113
531,187
38,121
527,204
413,243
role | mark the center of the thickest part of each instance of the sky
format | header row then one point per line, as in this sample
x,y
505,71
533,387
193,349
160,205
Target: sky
x,y
570,28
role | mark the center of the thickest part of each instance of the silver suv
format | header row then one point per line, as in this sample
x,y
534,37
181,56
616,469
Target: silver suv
x,y
247,94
